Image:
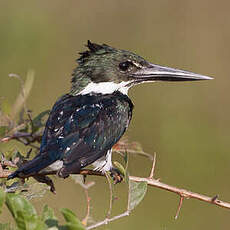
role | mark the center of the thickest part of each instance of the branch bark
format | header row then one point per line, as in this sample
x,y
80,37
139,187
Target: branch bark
x,y
107,220
151,182
182,192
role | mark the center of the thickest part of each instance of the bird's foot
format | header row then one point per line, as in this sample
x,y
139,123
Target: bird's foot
x,y
116,175
46,180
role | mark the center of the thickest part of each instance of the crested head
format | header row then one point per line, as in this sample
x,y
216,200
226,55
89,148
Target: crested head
x,y
104,66
103,69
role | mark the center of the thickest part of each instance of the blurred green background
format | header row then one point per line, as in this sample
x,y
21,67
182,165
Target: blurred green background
x,y
187,124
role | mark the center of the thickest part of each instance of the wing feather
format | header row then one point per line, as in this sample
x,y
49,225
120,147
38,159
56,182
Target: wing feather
x,y
82,128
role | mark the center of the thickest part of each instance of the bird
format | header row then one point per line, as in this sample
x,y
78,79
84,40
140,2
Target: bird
x,y
85,124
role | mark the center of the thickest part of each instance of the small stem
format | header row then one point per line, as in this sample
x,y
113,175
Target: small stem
x,y
110,197
85,220
179,206
107,220
151,176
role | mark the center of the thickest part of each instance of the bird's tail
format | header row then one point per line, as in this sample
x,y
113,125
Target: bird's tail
x,y
32,167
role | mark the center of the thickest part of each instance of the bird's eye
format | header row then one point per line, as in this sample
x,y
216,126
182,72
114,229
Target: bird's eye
x,y
124,66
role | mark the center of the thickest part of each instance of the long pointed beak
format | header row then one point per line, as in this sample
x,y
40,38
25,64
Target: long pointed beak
x,y
159,73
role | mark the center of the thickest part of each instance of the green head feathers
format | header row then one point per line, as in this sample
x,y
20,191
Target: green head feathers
x,y
102,63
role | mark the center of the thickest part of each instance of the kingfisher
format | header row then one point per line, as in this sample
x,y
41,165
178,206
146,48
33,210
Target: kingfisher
x,y
87,122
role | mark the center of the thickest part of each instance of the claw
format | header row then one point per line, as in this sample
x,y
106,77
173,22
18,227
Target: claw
x,y
116,175
46,180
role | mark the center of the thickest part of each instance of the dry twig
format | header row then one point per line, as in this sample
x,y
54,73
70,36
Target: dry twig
x,y
86,218
107,220
181,192
151,182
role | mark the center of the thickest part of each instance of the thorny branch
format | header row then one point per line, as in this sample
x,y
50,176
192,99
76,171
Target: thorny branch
x,y
151,182
181,192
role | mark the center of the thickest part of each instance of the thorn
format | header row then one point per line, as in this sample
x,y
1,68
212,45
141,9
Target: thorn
x,y
179,206
153,167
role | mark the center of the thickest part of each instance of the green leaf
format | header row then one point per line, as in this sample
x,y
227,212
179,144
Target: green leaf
x,y
49,218
56,228
71,226
17,203
126,158
26,221
137,191
5,226
48,213
73,223
109,178
2,199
